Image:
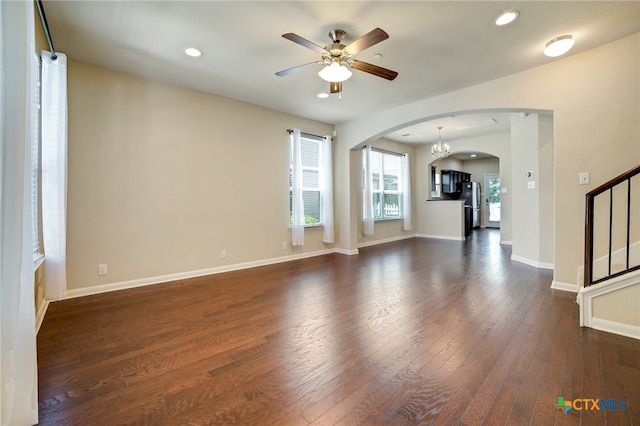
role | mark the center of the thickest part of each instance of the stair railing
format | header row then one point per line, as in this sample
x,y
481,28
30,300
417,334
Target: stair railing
x,y
589,227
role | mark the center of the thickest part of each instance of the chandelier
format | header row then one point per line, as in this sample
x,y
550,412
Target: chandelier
x,y
439,149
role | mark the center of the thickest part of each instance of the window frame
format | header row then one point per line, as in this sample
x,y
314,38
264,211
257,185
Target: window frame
x,y
36,163
382,191
319,189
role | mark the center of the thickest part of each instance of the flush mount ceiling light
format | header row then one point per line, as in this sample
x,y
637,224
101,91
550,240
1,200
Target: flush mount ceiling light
x,y
559,46
335,72
193,52
507,18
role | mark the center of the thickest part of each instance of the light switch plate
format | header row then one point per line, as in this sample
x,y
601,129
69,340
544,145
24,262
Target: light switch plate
x,y
531,184
584,178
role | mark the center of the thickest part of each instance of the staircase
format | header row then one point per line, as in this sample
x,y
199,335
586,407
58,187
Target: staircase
x,y
609,295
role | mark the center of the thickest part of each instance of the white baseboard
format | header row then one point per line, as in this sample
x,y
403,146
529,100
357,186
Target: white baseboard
x,y
386,240
530,262
346,252
87,291
557,285
42,310
440,237
626,330
506,242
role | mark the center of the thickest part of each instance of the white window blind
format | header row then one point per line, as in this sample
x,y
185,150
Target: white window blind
x,y
35,157
311,179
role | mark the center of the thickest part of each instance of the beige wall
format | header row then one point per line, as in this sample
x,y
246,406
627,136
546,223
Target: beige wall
x,y
443,219
161,179
620,306
581,91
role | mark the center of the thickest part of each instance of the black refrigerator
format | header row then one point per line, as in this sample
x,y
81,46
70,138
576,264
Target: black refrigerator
x,y
470,193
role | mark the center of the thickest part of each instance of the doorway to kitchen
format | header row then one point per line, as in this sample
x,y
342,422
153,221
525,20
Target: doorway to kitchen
x,y
492,196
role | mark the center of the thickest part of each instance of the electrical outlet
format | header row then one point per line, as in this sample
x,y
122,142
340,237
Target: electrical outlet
x,y
102,269
223,254
284,245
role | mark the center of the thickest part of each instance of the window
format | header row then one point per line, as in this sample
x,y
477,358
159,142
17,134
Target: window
x,y
35,160
387,171
312,193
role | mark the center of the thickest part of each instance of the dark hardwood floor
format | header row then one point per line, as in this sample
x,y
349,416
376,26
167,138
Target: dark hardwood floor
x,y
412,332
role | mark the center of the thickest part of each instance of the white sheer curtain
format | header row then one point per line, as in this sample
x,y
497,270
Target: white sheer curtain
x,y
367,192
18,369
326,167
406,193
297,227
54,174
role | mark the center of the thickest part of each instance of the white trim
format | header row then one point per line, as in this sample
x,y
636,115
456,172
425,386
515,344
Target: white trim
x,y
122,285
506,242
557,285
42,310
386,240
619,328
38,261
539,265
440,237
346,251
586,295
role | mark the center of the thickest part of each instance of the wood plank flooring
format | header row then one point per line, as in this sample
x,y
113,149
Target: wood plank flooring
x,y
411,332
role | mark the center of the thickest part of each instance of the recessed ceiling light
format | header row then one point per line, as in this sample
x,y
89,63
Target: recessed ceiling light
x,y
323,95
193,52
559,46
407,135
377,56
507,18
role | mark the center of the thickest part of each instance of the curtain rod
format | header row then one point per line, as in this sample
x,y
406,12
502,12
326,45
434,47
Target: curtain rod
x,y
45,26
308,135
373,148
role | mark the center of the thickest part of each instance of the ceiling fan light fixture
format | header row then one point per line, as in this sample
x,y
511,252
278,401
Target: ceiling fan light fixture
x,y
559,46
507,18
335,72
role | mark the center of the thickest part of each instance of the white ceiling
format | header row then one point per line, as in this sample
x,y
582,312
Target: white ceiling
x,y
435,46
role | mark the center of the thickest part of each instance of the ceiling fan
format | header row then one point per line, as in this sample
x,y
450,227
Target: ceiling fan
x,y
337,58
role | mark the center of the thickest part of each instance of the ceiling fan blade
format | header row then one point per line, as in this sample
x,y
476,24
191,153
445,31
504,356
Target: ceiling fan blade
x,y
304,42
335,87
374,36
373,69
297,69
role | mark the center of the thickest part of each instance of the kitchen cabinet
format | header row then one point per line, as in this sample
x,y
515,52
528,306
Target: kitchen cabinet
x,y
452,180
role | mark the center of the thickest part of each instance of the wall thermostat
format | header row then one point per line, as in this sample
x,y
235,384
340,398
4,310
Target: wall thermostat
x,y
528,174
